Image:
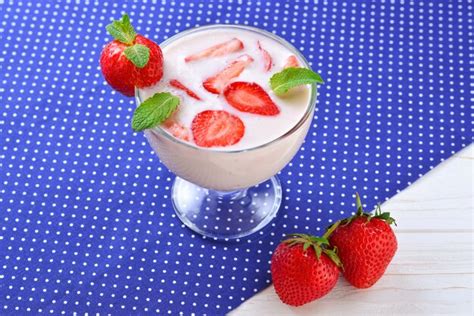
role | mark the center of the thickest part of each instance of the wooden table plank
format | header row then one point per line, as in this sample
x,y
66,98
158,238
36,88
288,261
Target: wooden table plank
x,y
432,272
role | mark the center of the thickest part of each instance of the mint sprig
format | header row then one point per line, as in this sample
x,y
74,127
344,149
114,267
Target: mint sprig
x,y
292,77
138,54
122,30
154,110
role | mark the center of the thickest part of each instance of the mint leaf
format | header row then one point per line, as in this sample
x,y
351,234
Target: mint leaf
x,y
154,110
138,54
122,30
291,77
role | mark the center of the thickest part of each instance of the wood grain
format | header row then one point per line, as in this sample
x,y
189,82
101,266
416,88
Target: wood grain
x,y
432,272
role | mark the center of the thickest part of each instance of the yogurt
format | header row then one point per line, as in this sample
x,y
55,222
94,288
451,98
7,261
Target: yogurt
x,y
259,129
269,142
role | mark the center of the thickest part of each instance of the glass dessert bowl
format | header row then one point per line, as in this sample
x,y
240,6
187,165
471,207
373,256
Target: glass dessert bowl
x,y
230,191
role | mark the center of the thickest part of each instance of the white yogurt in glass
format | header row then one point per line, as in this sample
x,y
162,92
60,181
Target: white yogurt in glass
x,y
269,142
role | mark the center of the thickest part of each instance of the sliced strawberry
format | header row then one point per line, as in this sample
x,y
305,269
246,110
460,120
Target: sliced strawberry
x,y
250,97
291,62
177,130
267,59
178,85
216,83
234,45
217,129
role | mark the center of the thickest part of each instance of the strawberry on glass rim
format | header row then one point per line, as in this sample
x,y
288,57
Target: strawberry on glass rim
x,y
130,60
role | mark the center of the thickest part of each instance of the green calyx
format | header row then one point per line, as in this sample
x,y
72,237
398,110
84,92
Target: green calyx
x,y
385,216
123,31
320,245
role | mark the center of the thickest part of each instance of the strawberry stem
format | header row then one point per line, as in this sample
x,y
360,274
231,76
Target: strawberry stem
x,y
332,254
330,230
385,216
360,209
318,244
122,30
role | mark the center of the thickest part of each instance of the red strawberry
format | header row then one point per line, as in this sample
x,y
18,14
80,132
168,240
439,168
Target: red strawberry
x,y
177,130
217,128
124,63
292,62
267,59
216,83
304,269
178,85
234,45
152,72
114,65
366,244
250,97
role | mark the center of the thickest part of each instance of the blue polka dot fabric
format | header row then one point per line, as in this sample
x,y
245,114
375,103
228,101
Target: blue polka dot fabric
x,y
86,222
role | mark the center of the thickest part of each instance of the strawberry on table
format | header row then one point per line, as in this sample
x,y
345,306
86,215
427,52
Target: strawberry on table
x,y
231,46
250,97
304,268
366,244
217,129
217,83
178,85
130,60
267,59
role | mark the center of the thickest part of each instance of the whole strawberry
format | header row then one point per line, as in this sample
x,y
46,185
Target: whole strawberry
x,y
366,244
304,269
130,60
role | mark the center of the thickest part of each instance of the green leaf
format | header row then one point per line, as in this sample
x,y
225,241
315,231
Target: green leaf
x,y
386,217
318,251
378,210
333,256
293,242
330,230
122,30
321,240
154,110
360,209
291,77
306,245
296,235
138,54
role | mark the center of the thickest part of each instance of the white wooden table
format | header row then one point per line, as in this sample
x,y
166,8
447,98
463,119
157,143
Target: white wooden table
x,y
432,272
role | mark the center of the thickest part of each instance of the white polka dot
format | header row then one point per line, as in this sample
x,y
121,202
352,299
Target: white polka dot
x,y
88,223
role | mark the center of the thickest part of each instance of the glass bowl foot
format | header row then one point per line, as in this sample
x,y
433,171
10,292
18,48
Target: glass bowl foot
x,y
226,215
